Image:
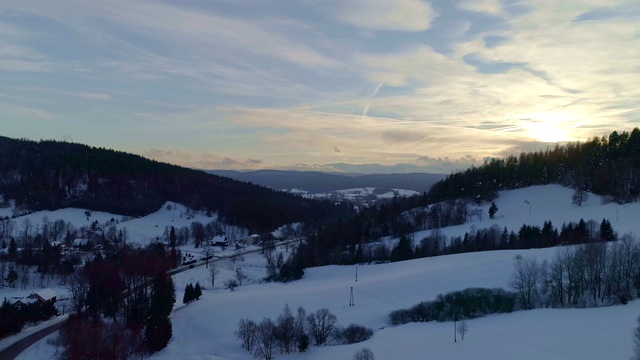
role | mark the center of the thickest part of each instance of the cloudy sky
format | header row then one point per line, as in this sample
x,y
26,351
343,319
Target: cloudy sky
x,y
347,85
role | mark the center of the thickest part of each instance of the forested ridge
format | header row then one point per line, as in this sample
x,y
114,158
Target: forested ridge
x,y
607,166
48,175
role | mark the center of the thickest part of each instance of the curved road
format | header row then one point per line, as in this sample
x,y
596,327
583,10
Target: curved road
x,y
13,350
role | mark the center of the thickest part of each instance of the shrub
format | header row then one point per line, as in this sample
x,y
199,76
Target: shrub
x,y
364,354
231,284
355,333
303,343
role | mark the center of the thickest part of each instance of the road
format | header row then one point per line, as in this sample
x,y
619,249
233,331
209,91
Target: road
x,y
12,351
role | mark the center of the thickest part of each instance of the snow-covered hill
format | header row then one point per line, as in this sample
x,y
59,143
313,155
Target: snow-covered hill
x,y
204,329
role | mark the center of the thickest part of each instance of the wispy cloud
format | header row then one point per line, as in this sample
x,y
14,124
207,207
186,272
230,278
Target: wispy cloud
x,y
399,15
252,84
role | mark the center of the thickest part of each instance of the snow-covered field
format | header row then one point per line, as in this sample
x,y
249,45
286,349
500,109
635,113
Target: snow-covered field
x,y
204,329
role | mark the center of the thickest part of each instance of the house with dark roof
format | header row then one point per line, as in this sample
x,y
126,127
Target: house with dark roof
x,y
44,295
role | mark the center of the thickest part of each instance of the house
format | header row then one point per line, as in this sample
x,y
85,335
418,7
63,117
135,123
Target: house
x,y
44,295
80,244
19,301
220,240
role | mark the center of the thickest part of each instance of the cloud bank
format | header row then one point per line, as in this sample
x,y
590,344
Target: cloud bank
x,y
378,84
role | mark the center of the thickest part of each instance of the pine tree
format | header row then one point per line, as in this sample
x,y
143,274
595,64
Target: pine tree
x,y
188,294
13,248
197,291
303,343
172,237
493,210
606,231
159,330
402,251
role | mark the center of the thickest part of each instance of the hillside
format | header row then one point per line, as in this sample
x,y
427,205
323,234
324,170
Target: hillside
x,y
52,175
607,166
204,329
528,335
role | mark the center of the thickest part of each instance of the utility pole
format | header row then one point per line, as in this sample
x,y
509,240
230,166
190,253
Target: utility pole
x,y
351,302
455,337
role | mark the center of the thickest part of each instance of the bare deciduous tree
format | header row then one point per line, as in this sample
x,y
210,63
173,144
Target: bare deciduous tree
x,y
213,274
247,330
240,276
524,280
231,284
321,324
286,332
364,354
463,328
78,287
265,339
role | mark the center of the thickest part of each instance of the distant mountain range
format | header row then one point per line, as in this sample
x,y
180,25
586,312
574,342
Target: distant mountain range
x,y
315,182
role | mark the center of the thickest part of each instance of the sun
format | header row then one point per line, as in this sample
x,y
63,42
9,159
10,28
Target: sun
x,y
548,127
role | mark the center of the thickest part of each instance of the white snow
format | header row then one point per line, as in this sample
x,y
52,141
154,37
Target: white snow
x,y
204,329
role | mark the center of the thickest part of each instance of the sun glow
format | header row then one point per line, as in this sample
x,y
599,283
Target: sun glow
x,y
548,127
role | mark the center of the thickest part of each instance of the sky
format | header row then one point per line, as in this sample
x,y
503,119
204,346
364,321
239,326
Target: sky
x,y
329,85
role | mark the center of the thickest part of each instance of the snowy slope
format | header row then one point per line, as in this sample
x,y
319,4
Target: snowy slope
x,y
548,202
140,230
204,329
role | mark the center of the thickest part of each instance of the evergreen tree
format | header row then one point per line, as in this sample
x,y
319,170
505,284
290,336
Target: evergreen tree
x,y
197,291
188,294
493,210
303,343
172,237
159,330
402,251
606,231
13,248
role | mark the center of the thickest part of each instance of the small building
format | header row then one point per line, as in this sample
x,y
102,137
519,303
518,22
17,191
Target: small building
x,y
80,244
44,295
220,240
21,300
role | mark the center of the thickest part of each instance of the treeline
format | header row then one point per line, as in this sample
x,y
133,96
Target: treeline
x,y
121,305
458,305
48,175
592,274
344,241
436,243
607,166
